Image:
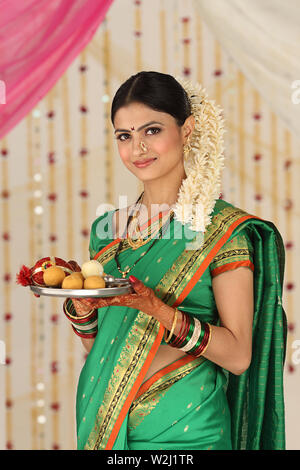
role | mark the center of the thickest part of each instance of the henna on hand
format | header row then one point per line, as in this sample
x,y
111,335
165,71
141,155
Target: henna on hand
x,y
143,299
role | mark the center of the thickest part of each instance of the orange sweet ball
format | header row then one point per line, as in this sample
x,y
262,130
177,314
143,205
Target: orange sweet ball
x,y
78,274
54,276
94,282
72,282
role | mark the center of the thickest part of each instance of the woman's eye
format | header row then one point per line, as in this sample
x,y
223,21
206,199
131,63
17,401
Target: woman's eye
x,y
120,136
155,130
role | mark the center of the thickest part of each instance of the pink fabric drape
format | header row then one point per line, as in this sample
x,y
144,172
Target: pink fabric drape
x,y
38,41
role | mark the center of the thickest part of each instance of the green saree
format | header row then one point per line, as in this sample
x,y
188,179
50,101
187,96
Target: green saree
x,y
192,403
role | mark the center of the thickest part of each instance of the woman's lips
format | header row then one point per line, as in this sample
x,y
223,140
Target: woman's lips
x,y
143,164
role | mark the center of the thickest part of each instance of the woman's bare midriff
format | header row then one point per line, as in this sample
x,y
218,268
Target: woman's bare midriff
x,y
165,354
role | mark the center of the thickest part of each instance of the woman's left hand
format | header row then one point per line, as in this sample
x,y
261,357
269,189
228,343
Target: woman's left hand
x,y
143,299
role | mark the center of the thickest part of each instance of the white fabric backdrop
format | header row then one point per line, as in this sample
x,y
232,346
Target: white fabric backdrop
x,y
264,41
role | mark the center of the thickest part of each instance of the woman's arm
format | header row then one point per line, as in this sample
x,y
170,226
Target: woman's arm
x,y
87,343
231,344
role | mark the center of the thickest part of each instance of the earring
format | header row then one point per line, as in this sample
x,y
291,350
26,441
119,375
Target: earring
x,y
186,149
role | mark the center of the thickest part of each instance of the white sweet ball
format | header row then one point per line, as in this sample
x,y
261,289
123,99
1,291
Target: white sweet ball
x,y
92,268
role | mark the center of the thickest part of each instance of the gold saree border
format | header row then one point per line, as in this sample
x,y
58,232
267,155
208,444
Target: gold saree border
x,y
146,333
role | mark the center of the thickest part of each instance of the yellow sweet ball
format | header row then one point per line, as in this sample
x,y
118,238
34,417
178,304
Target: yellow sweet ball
x,y
94,282
72,282
54,276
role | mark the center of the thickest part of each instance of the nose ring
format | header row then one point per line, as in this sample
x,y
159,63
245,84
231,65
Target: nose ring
x,y
143,147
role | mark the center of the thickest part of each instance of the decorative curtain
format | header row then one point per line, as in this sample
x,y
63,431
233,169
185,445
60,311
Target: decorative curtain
x,y
263,38
38,41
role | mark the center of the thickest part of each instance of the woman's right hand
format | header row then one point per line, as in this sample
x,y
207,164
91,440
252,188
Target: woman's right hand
x,y
80,308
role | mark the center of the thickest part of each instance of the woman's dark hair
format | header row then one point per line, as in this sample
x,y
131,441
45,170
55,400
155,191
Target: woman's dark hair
x,y
156,90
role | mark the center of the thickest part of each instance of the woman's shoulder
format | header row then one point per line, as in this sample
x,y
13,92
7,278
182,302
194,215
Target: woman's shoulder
x,y
223,206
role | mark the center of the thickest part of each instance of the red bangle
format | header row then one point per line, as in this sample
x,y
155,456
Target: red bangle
x,y
185,332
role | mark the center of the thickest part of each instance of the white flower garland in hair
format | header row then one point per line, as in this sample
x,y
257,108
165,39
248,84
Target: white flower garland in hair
x,y
204,161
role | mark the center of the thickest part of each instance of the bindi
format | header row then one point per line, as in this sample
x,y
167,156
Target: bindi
x,y
132,128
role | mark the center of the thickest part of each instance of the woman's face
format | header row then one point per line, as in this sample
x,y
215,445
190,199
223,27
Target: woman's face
x,y
163,138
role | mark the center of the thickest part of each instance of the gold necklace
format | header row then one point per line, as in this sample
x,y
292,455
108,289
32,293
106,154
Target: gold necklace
x,y
135,244
140,241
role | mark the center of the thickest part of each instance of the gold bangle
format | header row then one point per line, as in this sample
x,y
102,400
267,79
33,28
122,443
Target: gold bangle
x,y
173,327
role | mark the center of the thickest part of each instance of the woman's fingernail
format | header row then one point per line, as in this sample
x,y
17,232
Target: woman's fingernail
x,y
133,279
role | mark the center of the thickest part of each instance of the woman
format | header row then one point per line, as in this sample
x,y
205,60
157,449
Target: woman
x,y
193,359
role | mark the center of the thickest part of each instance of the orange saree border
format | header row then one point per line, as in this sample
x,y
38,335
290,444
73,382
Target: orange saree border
x,y
105,248
229,266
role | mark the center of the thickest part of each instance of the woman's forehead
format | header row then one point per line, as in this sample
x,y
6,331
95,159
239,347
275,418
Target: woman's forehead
x,y
136,114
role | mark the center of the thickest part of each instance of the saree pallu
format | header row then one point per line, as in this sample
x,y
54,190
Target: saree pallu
x,y
192,403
